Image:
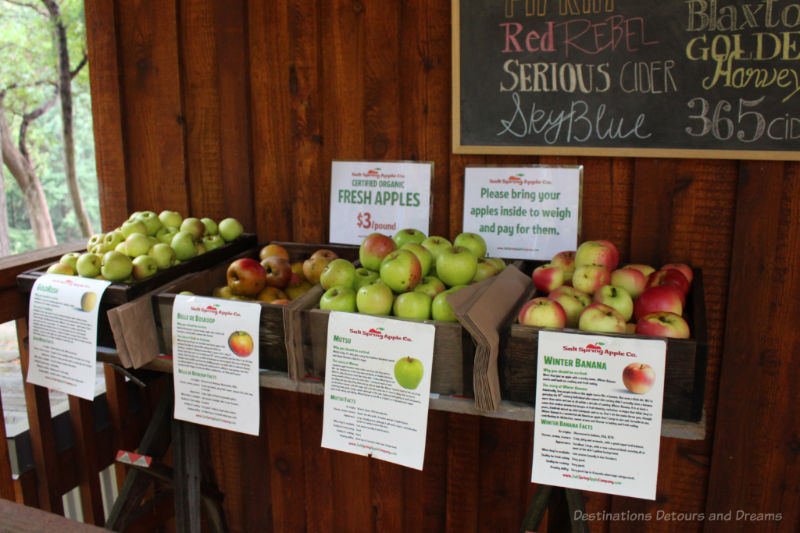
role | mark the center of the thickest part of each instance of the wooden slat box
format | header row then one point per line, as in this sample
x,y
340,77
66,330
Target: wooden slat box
x,y
119,293
684,382
272,338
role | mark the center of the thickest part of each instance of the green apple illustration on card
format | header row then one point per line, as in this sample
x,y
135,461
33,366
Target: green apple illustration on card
x,y
408,372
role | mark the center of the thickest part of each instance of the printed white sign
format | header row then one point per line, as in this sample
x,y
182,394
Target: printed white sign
x,y
525,212
215,362
377,387
63,314
597,422
385,197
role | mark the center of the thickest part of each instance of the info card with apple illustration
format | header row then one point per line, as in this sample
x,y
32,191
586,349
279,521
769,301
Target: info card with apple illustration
x,y
597,422
377,387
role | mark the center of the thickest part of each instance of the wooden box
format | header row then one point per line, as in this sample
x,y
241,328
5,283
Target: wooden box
x,y
274,317
684,382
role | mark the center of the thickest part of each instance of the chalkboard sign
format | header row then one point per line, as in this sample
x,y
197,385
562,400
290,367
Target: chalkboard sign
x,y
670,78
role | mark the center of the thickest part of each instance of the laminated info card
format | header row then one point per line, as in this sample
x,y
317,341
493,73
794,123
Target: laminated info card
x,y
215,362
385,197
62,330
377,387
523,213
597,424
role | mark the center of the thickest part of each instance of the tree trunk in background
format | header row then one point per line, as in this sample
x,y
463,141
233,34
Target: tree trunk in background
x,y
65,95
28,181
5,244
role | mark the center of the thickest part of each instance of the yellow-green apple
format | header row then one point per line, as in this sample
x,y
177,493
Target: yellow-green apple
x,y
338,273
133,226
486,269
644,269
338,299
638,377
400,270
324,253
430,285
412,305
150,221
270,294
212,242
685,269
277,271
615,297
222,292
170,218
88,265
241,343
456,266
472,242
200,247
672,277
112,239
407,235
137,244
375,298
589,278
273,249
374,248
543,312
547,277
497,262
597,252
436,245
296,289
422,253
566,262
630,279
408,372
166,233
230,229
163,254
121,248
663,324
144,266
211,226
602,319
572,300
61,268
116,266
246,277
94,241
364,276
313,268
297,268
70,259
194,226
441,310
183,244
658,298
134,215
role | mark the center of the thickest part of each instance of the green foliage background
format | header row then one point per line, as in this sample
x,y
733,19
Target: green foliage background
x,y
26,44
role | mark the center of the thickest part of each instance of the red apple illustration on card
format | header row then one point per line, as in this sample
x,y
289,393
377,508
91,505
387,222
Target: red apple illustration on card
x,y
638,377
241,343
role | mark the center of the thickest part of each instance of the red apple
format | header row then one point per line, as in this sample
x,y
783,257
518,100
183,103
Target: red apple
x,y
374,248
277,271
547,277
544,313
671,277
573,301
638,377
602,319
663,324
566,262
241,343
686,270
246,277
597,252
659,298
644,269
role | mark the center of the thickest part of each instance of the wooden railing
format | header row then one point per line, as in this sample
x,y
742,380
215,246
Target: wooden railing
x,y
58,469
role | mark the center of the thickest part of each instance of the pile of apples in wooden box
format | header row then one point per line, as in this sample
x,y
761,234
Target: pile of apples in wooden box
x,y
587,290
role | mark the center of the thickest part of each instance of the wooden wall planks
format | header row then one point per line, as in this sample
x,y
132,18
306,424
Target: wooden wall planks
x,y
238,108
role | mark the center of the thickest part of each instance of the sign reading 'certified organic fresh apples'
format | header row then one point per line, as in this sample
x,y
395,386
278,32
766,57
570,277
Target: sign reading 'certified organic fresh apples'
x,y
63,333
523,212
215,362
368,197
597,424
377,387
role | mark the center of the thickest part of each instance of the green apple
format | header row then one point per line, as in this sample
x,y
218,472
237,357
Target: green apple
x,y
112,239
338,273
422,253
230,228
615,297
134,215
430,285
456,266
144,266
441,309
363,277
200,248
400,270
436,245
150,220
61,268
121,248
486,269
88,265
375,298
211,226
601,318
170,218
405,236
338,299
472,242
413,305
408,372
130,227
94,241
194,226
70,259
183,244
497,262
116,266
137,244
163,254
166,233
212,242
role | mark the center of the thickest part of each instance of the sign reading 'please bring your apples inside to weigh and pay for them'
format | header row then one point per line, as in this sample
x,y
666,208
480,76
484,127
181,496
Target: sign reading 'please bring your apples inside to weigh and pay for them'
x,y
523,212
